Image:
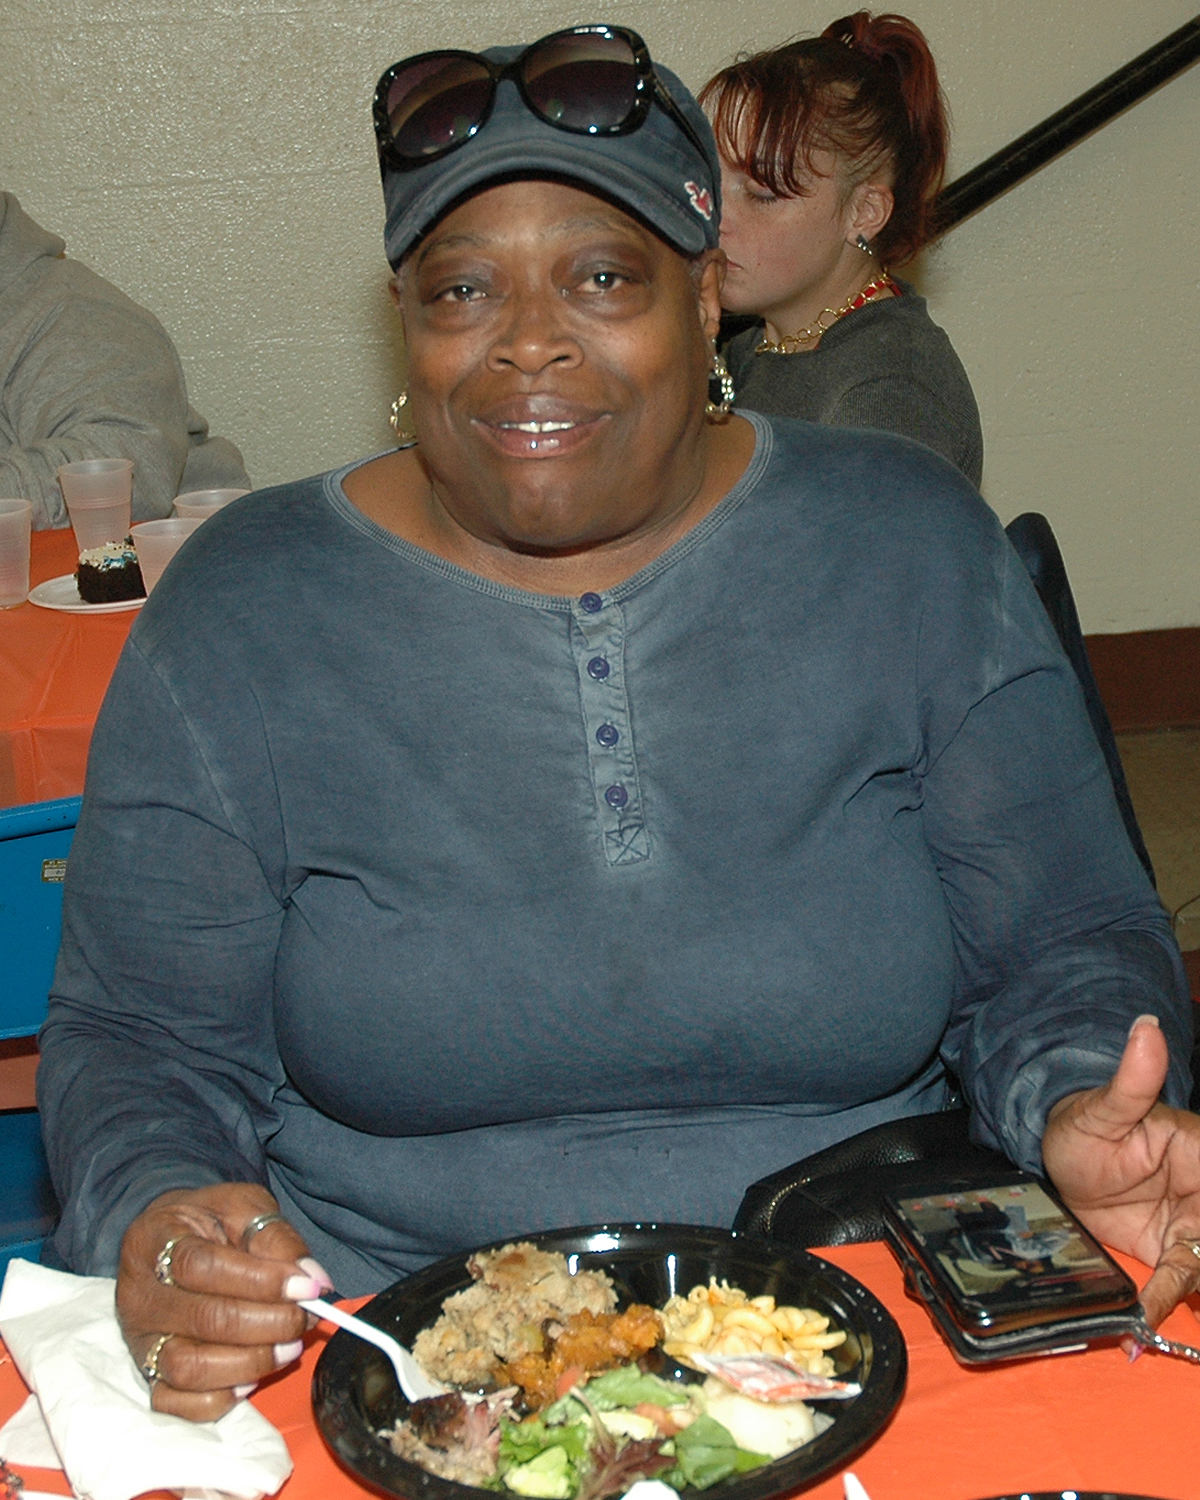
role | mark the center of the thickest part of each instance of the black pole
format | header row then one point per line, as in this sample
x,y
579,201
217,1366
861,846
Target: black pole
x,y
1068,126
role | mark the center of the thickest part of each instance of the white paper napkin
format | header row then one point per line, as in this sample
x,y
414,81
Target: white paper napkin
x,y
63,1335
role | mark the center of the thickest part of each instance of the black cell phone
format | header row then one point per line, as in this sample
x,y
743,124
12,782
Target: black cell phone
x,y
1006,1269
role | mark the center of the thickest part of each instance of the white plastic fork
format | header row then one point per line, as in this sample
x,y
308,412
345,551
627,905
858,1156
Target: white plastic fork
x,y
414,1382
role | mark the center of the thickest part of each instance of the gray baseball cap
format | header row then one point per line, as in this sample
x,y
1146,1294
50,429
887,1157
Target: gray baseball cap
x,y
655,171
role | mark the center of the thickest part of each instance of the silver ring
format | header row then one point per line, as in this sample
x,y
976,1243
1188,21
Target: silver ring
x,y
1192,1245
149,1366
162,1262
260,1222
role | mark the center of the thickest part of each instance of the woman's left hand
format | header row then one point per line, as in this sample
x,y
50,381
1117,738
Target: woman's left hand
x,y
1129,1166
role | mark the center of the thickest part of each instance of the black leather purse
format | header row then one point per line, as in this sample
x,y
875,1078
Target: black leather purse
x,y
834,1197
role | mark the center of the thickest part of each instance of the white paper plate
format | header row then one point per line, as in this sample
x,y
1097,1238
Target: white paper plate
x,y
62,594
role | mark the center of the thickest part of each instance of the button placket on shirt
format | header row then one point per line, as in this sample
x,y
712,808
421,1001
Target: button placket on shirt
x,y
598,640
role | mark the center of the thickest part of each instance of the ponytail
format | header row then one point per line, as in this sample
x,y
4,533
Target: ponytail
x,y
895,43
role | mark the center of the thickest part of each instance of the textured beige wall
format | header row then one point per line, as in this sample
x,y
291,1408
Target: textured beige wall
x,y
215,160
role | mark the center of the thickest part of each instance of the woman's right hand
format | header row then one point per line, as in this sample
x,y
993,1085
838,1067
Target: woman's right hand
x,y
226,1315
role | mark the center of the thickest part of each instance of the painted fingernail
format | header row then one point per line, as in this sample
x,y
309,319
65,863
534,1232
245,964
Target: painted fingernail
x,y
317,1271
1136,1352
302,1288
1153,1021
242,1391
286,1353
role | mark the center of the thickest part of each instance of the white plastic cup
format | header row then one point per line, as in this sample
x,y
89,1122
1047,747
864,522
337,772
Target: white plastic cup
x,y
205,503
98,492
157,542
14,552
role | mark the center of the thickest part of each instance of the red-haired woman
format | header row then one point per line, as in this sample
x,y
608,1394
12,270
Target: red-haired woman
x,y
833,151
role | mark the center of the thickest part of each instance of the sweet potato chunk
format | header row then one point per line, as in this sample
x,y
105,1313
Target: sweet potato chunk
x,y
587,1342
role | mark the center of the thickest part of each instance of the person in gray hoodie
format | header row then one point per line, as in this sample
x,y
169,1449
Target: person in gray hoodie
x,y
87,373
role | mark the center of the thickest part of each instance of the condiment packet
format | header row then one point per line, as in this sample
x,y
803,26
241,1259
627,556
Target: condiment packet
x,y
768,1377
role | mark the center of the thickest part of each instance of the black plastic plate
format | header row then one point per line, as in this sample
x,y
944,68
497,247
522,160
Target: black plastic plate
x,y
356,1397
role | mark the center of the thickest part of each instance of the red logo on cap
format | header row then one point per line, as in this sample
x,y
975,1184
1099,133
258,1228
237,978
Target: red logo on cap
x,y
701,199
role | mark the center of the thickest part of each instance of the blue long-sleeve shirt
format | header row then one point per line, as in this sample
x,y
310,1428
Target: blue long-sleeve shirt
x,y
451,911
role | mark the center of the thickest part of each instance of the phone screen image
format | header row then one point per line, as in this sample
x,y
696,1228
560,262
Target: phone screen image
x,y
1012,1254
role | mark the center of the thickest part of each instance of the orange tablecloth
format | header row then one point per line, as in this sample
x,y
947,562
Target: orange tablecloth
x,y
1084,1421
54,669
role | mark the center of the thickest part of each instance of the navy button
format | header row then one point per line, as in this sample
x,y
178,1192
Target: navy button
x,y
591,602
607,735
616,795
599,668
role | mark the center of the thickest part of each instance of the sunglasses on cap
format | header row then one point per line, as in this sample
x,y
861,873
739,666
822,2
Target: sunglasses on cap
x,y
590,80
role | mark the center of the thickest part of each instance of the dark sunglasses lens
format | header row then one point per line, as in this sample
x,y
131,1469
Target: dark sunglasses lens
x,y
436,104
582,83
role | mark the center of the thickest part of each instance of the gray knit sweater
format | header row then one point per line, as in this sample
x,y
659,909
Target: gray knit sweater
x,y
87,373
888,365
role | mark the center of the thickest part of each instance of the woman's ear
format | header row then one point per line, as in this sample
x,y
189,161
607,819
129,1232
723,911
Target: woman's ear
x,y
396,292
871,206
710,279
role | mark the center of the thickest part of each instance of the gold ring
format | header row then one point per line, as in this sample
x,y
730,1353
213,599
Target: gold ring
x,y
162,1262
149,1366
260,1222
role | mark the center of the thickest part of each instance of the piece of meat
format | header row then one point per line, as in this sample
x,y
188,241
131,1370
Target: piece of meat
x,y
452,1437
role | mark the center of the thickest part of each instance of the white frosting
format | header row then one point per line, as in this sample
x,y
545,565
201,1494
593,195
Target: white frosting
x,y
111,555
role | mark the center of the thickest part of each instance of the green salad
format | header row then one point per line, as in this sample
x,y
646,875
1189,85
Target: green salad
x,y
600,1438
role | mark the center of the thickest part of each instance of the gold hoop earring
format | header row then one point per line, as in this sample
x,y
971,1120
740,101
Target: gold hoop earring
x,y
719,376
406,435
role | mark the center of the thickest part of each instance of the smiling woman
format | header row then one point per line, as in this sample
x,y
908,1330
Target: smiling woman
x,y
586,810
559,353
